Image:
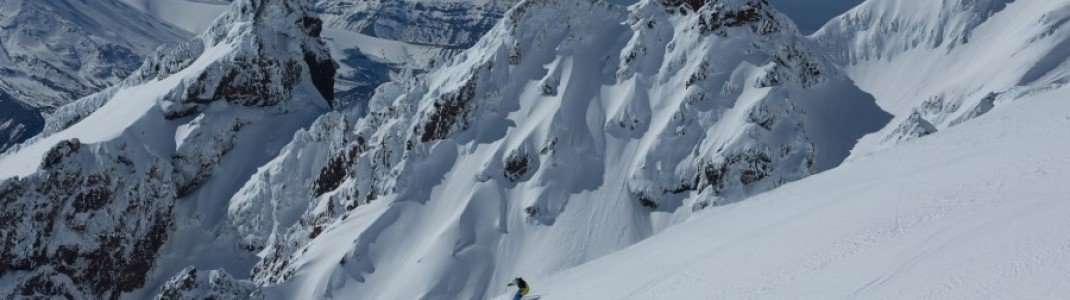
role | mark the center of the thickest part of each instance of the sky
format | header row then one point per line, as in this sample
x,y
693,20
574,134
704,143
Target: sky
x,y
810,15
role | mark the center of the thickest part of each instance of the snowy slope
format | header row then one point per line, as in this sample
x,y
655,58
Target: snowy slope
x,y
936,64
546,146
53,52
116,178
974,212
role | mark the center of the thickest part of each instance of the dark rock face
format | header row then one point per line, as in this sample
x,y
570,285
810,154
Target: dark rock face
x,y
120,212
62,150
693,5
756,14
451,113
516,166
715,17
258,81
334,173
322,73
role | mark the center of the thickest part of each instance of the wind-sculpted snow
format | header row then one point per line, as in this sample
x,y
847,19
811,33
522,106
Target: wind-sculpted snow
x,y
941,63
571,130
89,206
53,52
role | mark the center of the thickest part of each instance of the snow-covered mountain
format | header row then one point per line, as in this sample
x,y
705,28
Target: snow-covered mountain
x,y
973,206
89,204
53,52
372,40
937,64
542,147
554,140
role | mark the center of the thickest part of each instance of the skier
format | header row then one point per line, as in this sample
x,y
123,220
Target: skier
x,y
522,286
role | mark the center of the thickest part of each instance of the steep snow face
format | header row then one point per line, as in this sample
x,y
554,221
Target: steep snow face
x,y
88,206
571,130
942,63
975,211
53,52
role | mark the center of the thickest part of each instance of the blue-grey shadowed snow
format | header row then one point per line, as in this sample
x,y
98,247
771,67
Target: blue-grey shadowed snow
x,y
810,15
18,122
359,85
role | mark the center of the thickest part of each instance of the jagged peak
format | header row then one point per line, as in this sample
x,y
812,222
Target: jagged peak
x,y
264,16
717,16
268,39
